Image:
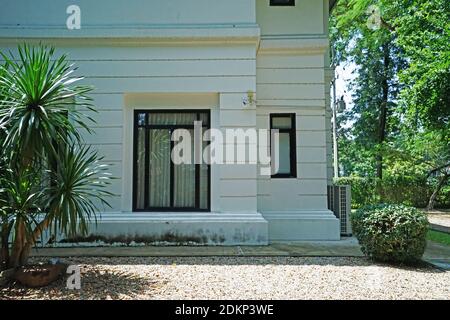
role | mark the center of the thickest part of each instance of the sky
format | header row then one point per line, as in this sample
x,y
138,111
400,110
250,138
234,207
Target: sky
x,y
344,76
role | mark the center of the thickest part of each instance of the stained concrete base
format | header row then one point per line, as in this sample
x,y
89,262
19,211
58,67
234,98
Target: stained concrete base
x,y
307,225
202,228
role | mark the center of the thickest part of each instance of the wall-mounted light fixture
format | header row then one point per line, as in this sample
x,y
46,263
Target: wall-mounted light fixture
x,y
249,100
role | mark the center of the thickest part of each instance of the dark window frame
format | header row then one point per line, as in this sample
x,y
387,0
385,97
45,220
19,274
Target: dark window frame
x,y
275,3
292,144
148,127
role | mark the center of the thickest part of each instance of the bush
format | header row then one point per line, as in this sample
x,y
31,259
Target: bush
x,y
391,233
408,190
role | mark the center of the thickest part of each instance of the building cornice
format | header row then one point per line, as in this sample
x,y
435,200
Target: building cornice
x,y
134,35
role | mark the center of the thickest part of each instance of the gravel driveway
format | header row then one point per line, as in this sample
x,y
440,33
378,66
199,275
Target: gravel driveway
x,y
243,278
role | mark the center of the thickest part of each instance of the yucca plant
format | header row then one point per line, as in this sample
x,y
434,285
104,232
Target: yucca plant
x,y
49,180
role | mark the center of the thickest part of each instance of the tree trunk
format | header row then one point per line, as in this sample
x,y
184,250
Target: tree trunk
x,y
383,110
4,246
29,245
18,245
22,245
436,191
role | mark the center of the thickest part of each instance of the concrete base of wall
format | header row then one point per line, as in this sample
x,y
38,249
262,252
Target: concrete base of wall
x,y
194,228
302,225
184,228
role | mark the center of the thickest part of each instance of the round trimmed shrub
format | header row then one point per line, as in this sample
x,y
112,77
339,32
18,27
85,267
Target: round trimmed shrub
x,y
391,233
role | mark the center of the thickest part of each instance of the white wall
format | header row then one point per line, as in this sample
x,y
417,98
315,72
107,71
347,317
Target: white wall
x,y
307,17
295,83
187,74
201,54
119,13
290,68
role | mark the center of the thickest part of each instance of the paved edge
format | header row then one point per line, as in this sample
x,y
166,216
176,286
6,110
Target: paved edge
x,y
279,250
439,227
436,256
441,264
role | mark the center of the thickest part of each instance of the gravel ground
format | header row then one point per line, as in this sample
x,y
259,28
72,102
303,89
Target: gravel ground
x,y
242,278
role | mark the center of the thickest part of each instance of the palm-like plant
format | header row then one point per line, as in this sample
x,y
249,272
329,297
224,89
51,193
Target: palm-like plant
x,y
38,95
49,180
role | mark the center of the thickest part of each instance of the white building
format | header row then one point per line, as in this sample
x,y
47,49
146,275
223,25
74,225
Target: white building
x,y
150,59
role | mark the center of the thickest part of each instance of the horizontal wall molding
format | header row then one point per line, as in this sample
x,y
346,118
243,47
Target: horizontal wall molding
x,y
133,35
308,213
177,216
293,44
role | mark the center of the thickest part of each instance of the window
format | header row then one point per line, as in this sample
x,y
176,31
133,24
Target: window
x,y
287,147
159,184
282,3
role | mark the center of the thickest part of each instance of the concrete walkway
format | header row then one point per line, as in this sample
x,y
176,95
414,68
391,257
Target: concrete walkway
x,y
439,220
436,254
348,247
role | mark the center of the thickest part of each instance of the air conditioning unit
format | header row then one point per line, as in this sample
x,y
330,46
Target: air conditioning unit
x,y
339,201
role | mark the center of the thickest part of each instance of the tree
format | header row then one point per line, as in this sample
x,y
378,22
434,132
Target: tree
x,y
402,105
424,35
374,51
49,180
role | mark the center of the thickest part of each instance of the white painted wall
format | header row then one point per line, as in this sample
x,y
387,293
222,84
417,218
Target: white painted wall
x,y
291,78
200,54
115,14
306,18
188,75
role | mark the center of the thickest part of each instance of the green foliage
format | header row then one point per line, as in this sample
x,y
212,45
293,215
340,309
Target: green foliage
x,y
423,33
397,189
391,233
443,199
76,190
400,121
374,117
362,190
49,179
440,237
407,190
39,96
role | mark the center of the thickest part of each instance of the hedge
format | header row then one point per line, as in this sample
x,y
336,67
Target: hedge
x,y
409,191
391,233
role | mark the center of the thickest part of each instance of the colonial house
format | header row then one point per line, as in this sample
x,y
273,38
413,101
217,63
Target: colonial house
x,y
162,65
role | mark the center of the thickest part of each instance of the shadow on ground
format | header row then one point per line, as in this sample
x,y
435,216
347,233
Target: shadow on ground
x,y
97,283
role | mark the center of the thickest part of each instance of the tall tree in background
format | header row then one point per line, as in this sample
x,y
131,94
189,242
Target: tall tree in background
x,y
423,29
401,113
375,89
